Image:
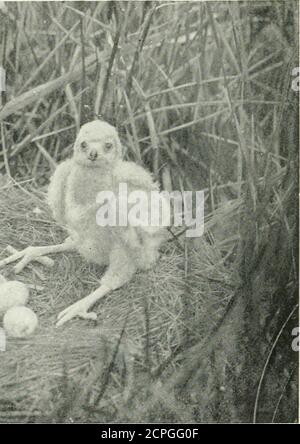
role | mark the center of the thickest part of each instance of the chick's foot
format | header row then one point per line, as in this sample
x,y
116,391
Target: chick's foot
x,y
26,256
79,309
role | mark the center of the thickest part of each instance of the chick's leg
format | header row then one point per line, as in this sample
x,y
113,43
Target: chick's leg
x,y
120,271
30,254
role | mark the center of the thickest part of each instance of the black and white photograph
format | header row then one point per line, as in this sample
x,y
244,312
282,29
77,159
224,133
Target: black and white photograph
x,y
149,210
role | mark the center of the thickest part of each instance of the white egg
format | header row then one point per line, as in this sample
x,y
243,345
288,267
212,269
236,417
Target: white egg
x,y
19,322
12,294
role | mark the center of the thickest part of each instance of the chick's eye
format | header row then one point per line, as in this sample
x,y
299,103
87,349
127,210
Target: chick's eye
x,y
108,146
83,145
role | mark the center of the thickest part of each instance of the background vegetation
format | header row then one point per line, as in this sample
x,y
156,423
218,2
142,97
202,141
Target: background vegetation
x,y
201,94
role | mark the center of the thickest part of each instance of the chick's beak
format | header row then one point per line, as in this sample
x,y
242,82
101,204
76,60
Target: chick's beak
x,y
92,155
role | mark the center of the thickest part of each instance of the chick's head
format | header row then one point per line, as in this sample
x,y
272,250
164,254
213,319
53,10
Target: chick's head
x,y
97,145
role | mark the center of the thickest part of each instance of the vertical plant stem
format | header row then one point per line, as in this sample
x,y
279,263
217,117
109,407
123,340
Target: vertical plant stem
x,y
4,150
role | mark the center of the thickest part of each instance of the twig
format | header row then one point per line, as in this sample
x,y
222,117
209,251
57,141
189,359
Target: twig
x,y
4,150
267,363
139,47
109,68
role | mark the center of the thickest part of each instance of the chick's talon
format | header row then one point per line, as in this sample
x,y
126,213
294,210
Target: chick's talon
x,y
79,309
27,258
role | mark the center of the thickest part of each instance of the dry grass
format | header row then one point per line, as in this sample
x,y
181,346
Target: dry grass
x,y
201,94
31,369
